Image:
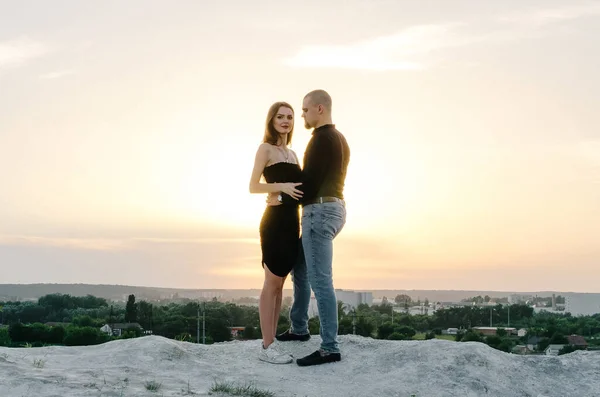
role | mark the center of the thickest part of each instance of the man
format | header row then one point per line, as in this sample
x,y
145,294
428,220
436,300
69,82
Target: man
x,y
323,217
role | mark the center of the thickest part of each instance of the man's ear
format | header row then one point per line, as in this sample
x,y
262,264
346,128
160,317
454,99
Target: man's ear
x,y
320,109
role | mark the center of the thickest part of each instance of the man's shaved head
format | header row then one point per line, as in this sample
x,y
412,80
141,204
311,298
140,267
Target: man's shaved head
x,y
320,97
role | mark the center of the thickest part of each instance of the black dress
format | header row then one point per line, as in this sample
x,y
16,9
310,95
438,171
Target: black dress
x,y
280,225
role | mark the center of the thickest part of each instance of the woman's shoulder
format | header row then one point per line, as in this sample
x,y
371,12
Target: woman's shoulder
x,y
265,147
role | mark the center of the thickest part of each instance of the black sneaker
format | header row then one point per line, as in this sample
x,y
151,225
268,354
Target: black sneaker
x,y
288,336
319,357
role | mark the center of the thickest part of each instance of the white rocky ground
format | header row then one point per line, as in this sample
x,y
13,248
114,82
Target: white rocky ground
x,y
368,368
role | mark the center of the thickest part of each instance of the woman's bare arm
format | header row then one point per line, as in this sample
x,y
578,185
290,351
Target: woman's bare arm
x,y
255,186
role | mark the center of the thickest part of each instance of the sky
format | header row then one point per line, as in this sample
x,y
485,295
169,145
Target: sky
x,y
128,133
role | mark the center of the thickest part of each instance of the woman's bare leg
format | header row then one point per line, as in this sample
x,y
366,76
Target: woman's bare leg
x,y
266,307
277,310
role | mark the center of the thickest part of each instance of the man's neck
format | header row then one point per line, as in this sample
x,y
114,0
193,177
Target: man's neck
x,y
323,122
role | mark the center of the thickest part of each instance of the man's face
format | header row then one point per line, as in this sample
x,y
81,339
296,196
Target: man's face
x,y
310,113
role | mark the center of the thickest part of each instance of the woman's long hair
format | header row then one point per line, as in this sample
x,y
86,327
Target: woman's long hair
x,y
271,134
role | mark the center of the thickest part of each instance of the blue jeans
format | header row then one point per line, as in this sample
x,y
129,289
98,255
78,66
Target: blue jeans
x,y
321,223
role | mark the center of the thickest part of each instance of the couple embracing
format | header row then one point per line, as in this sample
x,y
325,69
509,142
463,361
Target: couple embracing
x,y
307,256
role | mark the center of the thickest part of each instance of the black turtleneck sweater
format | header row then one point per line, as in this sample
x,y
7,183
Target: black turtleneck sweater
x,y
325,163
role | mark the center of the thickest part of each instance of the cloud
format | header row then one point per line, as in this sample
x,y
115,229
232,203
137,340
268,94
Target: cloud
x,y
113,244
57,74
381,53
17,52
408,48
204,240
62,242
551,15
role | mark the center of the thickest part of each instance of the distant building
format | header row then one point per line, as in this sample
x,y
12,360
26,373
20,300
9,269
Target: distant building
x,y
415,310
522,332
522,349
487,331
353,299
577,341
514,299
582,304
236,331
208,294
533,341
350,299
547,309
552,350
117,329
447,305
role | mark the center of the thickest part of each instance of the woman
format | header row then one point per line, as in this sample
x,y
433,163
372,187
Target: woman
x,y
279,227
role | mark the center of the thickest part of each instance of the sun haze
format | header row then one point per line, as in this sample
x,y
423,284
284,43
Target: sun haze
x,y
127,139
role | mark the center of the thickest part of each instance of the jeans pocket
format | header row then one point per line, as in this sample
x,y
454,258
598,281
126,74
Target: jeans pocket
x,y
331,222
333,211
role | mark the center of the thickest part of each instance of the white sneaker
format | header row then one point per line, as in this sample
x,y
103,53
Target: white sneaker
x,y
273,355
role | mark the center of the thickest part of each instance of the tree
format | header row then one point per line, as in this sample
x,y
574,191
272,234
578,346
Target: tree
x,y
18,332
405,331
493,341
558,339
506,345
218,330
83,321
364,327
282,325
314,325
133,332
4,337
340,310
384,308
345,326
250,333
396,336
144,314
568,349
385,330
543,344
56,335
501,332
131,310
471,336
402,298
82,336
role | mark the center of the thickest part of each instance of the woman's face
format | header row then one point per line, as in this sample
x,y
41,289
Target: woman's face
x,y
283,120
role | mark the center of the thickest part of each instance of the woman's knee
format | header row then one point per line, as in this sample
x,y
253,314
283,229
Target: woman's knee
x,y
273,286
272,280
